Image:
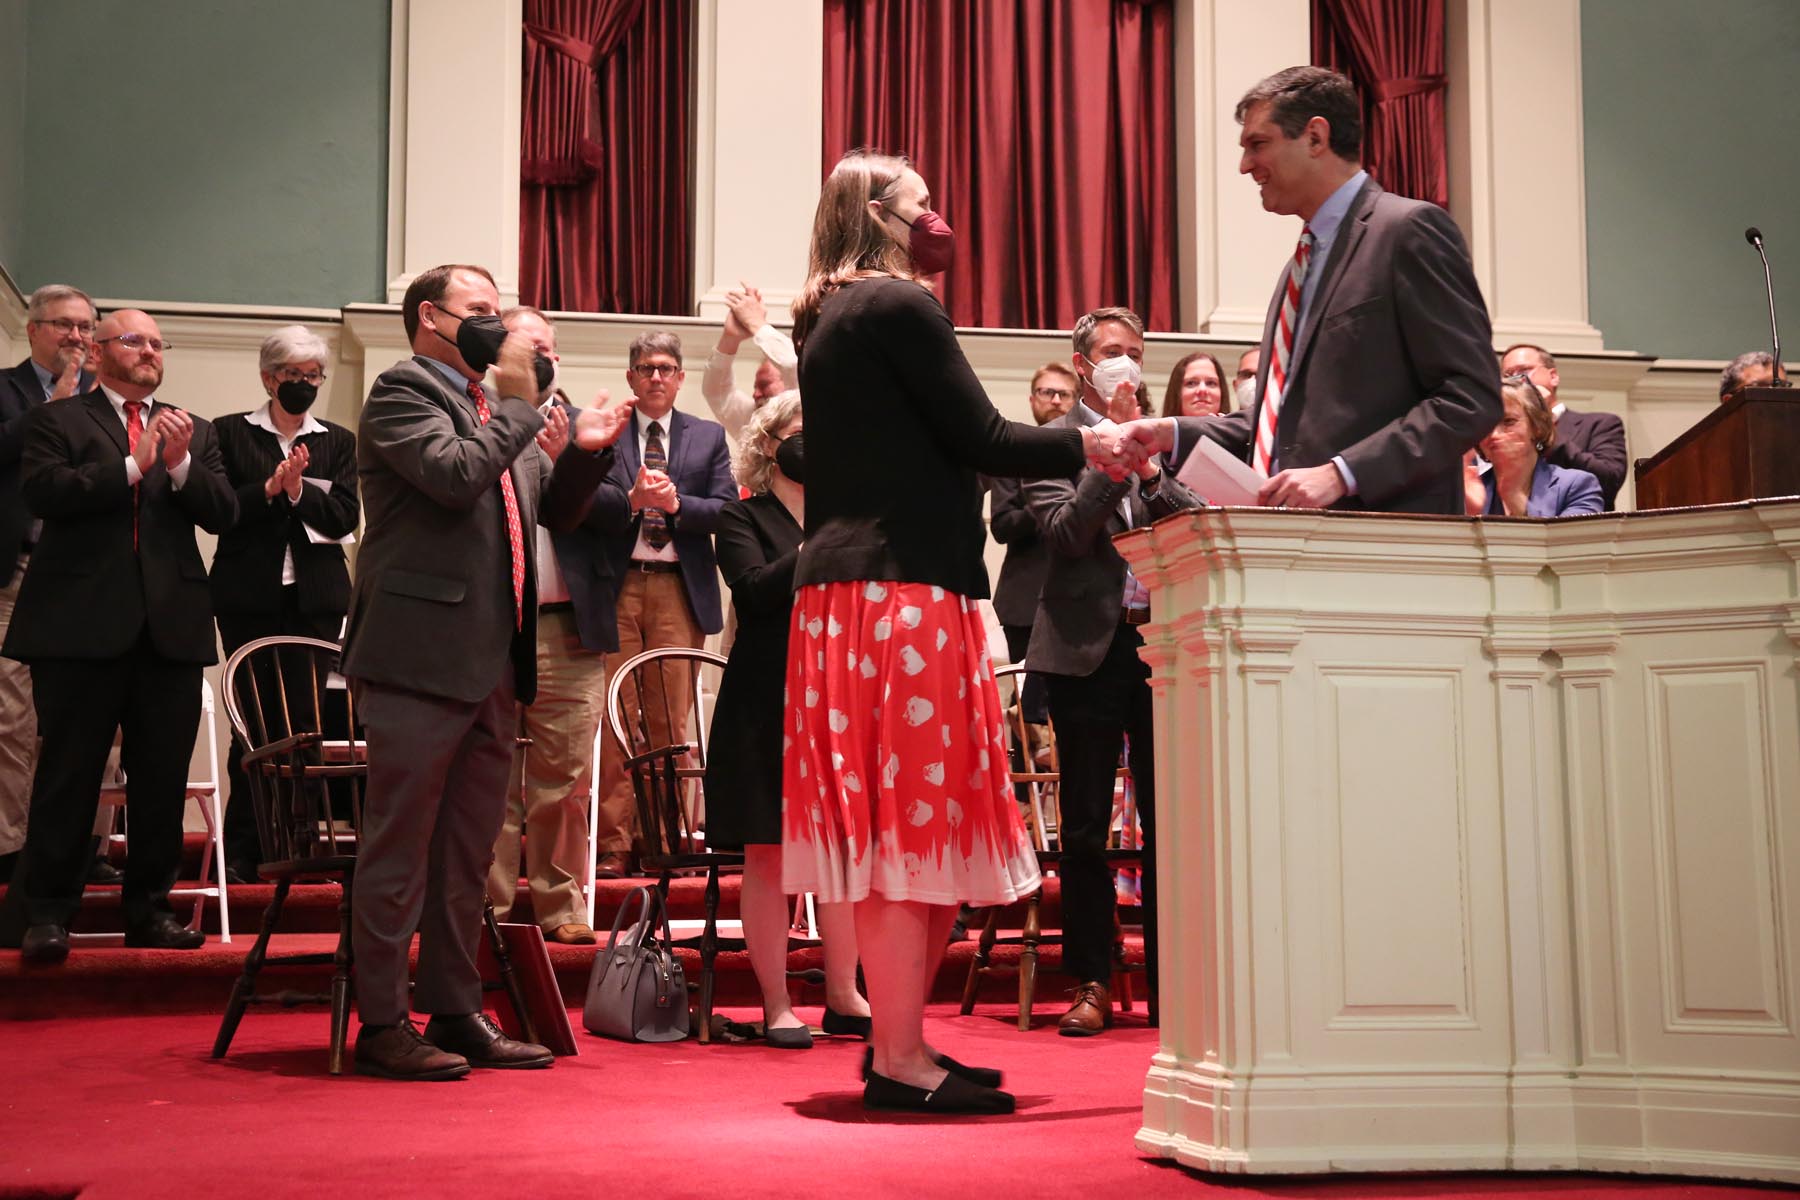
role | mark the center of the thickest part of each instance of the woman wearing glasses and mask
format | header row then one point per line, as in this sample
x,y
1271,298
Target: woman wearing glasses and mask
x,y
281,568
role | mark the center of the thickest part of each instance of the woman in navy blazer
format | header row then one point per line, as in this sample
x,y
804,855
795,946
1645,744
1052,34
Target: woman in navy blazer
x,y
1521,483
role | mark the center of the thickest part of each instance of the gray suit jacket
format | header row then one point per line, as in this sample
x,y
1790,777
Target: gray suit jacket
x,y
1393,363
1084,586
432,606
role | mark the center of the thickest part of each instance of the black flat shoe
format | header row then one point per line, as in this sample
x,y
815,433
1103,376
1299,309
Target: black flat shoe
x,y
47,944
838,1024
954,1095
793,1037
985,1077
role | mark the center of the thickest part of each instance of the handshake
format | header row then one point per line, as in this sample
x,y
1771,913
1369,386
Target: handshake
x,y
1123,449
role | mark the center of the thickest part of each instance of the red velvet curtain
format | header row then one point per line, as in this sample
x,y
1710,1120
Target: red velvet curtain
x,y
605,213
1394,51
1046,132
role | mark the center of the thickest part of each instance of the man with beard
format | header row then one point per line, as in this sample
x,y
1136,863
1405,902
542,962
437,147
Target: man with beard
x,y
115,622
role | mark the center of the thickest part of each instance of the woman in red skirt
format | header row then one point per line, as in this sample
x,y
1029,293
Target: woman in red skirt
x,y
895,791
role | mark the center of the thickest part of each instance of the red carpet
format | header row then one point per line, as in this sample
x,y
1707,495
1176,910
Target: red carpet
x,y
115,1107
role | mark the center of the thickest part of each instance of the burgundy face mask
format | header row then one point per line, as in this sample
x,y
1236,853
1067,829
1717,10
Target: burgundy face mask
x,y
932,243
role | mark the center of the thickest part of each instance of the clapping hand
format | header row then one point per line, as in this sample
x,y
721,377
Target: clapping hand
x,y
69,381
553,438
598,427
1122,408
177,432
516,369
654,489
149,442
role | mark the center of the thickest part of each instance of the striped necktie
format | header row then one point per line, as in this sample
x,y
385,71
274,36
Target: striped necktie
x,y
1275,386
656,522
515,529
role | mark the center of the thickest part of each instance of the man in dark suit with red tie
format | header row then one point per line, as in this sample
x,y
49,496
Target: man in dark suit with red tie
x,y
115,621
59,325
1377,364
440,649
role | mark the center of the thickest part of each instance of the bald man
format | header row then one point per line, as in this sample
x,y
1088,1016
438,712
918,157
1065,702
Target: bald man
x,y
115,621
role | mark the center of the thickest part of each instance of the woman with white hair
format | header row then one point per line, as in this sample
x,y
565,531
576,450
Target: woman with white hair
x,y
758,543
281,568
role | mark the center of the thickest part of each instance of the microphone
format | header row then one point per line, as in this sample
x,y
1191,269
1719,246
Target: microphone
x,y
1753,235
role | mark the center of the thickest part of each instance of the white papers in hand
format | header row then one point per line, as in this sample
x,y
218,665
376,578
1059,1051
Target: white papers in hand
x,y
1217,477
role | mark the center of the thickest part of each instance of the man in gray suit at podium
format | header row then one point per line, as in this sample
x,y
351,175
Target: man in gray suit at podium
x,y
1377,364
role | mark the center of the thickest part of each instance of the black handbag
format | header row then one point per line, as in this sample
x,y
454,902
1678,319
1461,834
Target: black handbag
x,y
637,991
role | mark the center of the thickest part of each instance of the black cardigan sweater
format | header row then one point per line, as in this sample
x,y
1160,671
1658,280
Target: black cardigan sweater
x,y
897,429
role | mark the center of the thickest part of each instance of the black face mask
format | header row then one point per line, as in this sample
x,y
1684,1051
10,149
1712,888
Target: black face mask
x,y
296,395
478,340
790,456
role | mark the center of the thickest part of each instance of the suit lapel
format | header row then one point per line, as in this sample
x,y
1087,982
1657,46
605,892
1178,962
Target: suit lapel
x,y
101,410
677,428
1343,248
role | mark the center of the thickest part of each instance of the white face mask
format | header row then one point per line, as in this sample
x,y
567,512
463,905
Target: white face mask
x,y
1109,373
1246,394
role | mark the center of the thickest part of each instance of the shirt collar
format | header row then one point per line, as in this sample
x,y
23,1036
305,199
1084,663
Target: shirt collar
x,y
262,420
1325,222
45,379
643,422
1558,410
118,402
458,380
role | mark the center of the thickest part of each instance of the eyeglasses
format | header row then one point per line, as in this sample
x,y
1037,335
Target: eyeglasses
x,y
65,327
137,341
1060,395
296,375
658,370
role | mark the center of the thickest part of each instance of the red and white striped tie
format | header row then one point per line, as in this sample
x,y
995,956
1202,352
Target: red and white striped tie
x,y
1276,384
515,529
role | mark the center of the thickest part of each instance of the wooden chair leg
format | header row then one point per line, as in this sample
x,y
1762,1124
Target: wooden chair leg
x,y
984,949
1028,959
1121,972
515,994
340,981
245,987
709,950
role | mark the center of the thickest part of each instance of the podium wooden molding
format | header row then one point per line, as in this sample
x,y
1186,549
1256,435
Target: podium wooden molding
x,y
1746,449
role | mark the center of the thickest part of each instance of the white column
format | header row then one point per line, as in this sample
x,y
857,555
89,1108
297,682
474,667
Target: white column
x,y
453,146
1234,249
759,74
1517,184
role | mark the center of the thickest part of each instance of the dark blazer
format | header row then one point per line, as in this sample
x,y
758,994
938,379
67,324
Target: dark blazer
x,y
89,593
246,568
758,547
700,465
1555,492
1593,442
1027,558
432,607
587,570
20,392
1084,585
1393,362
897,427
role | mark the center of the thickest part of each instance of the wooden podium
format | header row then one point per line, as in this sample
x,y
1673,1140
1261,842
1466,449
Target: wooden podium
x,y
1748,449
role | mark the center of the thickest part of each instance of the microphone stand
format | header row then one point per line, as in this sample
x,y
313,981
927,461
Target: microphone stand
x,y
1777,374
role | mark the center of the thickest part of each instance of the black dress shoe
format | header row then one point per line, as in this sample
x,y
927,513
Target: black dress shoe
x,y
482,1043
104,873
241,872
839,1024
987,1077
954,1095
792,1037
47,944
398,1052
164,932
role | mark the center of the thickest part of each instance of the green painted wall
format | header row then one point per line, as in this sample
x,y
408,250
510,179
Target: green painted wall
x,y
12,129
223,151
1691,108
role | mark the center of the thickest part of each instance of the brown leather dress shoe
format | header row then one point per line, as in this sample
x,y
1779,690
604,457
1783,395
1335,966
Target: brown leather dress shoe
x,y
398,1052
615,864
573,934
480,1041
1091,1012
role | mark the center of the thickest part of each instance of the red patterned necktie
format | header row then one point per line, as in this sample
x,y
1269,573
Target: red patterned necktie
x,y
656,522
1275,387
515,529
134,429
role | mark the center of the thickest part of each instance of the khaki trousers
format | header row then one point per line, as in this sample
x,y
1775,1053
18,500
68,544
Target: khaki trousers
x,y
18,730
653,612
548,799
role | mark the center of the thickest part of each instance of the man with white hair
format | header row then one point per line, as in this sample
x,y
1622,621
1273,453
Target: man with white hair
x,y
59,327
115,622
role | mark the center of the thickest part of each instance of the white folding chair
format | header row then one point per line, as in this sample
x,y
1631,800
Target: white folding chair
x,y
205,792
